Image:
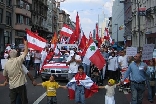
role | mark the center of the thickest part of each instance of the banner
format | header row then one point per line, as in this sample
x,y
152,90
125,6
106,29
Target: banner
x,y
147,53
131,51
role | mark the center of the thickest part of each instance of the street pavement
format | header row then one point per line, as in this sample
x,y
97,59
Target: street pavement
x,y
36,94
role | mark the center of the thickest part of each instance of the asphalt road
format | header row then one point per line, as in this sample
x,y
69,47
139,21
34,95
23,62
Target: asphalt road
x,y
36,95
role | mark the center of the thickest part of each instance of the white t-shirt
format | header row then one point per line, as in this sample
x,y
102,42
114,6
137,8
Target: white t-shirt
x,y
37,55
28,56
110,90
73,66
123,61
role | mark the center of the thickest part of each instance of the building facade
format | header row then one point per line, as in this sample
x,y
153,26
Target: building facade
x,y
39,17
15,17
128,22
118,21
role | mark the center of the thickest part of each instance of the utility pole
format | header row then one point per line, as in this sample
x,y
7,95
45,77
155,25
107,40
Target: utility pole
x,y
138,16
117,34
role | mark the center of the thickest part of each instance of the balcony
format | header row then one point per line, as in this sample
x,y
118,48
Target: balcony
x,y
23,12
29,1
22,27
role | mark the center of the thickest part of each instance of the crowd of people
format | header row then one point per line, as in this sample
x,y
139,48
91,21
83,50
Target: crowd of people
x,y
139,73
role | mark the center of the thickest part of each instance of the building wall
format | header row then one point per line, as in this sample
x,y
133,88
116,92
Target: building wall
x,y
117,18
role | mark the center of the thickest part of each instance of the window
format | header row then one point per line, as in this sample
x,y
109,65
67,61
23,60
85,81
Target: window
x,y
1,15
8,18
8,2
7,38
1,0
19,18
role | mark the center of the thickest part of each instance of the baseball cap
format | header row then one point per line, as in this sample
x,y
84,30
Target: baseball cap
x,y
111,81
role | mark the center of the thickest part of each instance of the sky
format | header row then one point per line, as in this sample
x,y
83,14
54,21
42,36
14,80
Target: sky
x,y
89,11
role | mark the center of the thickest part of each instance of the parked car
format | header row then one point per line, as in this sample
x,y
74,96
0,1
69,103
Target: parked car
x,y
56,66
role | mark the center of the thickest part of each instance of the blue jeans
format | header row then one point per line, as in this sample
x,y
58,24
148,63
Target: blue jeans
x,y
86,69
79,94
18,100
137,91
51,100
151,91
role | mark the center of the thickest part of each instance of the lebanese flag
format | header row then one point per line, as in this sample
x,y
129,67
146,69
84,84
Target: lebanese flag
x,y
85,81
66,31
34,41
94,55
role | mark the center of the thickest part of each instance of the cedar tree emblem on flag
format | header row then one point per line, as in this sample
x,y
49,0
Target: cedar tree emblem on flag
x,y
92,48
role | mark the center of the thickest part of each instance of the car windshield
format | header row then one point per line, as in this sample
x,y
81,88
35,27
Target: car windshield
x,y
59,59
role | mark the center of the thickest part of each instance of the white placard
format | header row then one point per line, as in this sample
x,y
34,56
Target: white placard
x,y
3,61
147,53
131,51
154,53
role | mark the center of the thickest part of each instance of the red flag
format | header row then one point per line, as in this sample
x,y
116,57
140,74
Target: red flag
x,y
82,44
77,29
97,33
34,41
106,35
72,39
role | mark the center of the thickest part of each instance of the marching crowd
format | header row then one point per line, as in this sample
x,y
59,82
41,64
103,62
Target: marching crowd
x,y
141,74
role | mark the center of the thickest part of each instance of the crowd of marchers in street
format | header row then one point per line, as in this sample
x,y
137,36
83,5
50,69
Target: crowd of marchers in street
x,y
120,70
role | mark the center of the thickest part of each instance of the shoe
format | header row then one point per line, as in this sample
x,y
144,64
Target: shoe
x,y
151,101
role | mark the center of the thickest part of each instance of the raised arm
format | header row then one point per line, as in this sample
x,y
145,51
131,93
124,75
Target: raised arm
x,y
25,48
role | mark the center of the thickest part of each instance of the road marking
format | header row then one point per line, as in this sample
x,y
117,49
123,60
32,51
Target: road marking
x,y
40,98
125,92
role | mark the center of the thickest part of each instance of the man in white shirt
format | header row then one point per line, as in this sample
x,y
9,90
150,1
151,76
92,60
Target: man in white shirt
x,y
123,60
37,61
73,61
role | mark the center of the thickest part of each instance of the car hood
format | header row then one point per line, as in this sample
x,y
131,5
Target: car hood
x,y
55,65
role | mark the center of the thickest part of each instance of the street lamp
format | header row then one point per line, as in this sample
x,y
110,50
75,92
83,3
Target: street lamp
x,y
117,34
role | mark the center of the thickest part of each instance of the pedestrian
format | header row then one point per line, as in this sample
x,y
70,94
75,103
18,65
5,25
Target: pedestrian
x,y
81,85
110,92
137,73
112,66
73,61
86,64
105,54
51,87
14,75
26,72
27,59
37,62
151,80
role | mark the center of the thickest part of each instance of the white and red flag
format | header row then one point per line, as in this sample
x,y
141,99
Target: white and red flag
x,y
84,80
66,31
83,41
106,34
94,55
34,41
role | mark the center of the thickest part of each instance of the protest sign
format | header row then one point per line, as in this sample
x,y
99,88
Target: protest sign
x,y
147,52
131,51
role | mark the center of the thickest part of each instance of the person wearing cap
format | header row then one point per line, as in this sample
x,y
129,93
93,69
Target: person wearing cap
x,y
73,61
109,97
15,76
